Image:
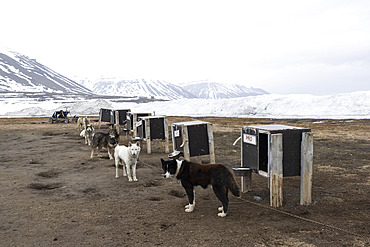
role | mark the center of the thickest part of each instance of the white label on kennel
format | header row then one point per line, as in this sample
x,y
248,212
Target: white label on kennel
x,y
250,139
177,133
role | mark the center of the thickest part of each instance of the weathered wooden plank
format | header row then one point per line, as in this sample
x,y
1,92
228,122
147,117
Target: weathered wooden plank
x,y
147,136
118,129
275,161
185,140
166,137
212,156
306,168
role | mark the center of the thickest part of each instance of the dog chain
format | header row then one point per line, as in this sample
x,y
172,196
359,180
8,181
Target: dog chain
x,y
280,211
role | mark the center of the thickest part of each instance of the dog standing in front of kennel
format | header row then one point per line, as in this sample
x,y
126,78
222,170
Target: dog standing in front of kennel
x,y
129,155
107,140
89,134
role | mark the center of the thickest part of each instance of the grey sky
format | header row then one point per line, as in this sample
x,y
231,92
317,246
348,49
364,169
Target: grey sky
x,y
306,46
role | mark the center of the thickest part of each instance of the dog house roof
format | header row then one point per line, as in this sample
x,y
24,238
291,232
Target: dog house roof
x,y
157,116
272,127
196,122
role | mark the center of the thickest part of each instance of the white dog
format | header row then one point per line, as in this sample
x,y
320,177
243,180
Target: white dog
x,y
129,155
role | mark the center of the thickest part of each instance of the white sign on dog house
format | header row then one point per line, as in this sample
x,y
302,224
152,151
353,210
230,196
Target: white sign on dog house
x,y
251,139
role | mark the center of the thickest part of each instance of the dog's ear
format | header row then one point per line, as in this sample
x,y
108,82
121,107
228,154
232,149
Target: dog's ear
x,y
138,144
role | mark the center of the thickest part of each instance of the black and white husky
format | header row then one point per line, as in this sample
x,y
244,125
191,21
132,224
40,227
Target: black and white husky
x,y
129,155
192,174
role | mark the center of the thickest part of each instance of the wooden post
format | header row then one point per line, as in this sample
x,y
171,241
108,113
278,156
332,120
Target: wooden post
x,y
147,136
134,120
166,138
306,168
185,140
211,144
275,162
117,122
100,116
173,137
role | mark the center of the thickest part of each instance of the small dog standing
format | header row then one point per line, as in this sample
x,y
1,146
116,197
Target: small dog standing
x,y
129,155
89,134
108,140
191,174
82,123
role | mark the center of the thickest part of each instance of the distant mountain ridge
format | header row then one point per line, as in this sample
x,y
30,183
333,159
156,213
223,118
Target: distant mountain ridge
x,y
164,90
136,88
19,73
214,90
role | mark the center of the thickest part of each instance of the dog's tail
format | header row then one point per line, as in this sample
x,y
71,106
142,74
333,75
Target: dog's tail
x,y
234,188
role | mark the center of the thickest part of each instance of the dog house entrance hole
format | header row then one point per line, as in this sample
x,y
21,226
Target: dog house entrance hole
x,y
198,139
263,152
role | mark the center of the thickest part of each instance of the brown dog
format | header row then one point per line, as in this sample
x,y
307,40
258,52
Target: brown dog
x,y
108,140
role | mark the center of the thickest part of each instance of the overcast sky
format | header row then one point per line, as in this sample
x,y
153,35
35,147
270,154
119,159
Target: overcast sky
x,y
306,46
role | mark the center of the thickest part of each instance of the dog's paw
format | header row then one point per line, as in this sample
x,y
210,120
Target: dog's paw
x,y
221,214
117,176
221,209
130,179
135,179
189,208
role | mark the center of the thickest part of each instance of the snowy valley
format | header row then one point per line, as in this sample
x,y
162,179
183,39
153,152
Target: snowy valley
x,y
28,88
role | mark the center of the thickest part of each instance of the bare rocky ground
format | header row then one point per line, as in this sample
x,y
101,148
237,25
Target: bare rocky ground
x,y
53,194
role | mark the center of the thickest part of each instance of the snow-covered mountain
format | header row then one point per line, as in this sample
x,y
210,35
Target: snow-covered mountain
x,y
214,90
19,73
136,88
164,90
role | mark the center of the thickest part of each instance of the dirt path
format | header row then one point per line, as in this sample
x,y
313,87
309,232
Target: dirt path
x,y
53,194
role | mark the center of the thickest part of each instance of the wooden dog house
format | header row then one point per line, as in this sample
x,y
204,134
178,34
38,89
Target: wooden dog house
x,y
106,115
153,128
120,119
277,151
133,119
194,139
